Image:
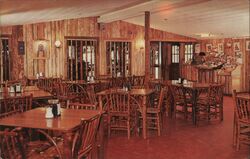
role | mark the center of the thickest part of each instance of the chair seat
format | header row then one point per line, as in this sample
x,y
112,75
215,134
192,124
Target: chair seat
x,y
41,150
153,110
119,113
244,121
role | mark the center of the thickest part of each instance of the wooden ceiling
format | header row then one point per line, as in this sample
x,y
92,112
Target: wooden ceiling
x,y
194,18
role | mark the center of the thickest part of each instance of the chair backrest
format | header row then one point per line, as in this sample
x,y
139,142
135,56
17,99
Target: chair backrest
x,y
119,101
78,92
216,94
85,138
81,106
242,107
138,80
12,105
161,98
10,145
91,94
178,92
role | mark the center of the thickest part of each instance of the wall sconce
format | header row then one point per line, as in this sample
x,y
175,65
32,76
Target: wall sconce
x,y
229,45
140,44
58,43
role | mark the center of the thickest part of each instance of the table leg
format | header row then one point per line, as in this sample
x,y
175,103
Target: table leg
x,y
144,117
100,102
100,139
67,145
194,106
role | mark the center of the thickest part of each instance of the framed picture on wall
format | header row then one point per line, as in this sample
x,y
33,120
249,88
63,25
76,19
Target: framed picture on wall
x,y
41,48
208,48
21,48
238,56
236,46
248,45
220,47
197,48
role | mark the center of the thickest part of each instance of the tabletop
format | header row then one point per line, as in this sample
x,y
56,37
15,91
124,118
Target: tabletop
x,y
35,118
192,85
86,83
28,90
132,91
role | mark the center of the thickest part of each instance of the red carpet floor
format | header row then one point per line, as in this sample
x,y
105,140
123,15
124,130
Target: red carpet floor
x,y
181,140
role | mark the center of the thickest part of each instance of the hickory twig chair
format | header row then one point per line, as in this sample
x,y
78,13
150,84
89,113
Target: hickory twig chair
x,y
10,145
241,121
120,113
85,138
155,112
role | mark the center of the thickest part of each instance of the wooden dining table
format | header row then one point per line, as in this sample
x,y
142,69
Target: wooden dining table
x,y
67,123
28,90
144,93
194,87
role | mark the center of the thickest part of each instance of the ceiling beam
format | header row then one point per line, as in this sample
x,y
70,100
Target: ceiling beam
x,y
154,6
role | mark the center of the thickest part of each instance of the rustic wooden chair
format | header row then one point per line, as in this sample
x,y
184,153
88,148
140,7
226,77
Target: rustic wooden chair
x,y
202,110
48,147
180,106
85,139
70,93
120,113
155,112
81,106
10,145
241,121
138,82
92,99
215,101
12,105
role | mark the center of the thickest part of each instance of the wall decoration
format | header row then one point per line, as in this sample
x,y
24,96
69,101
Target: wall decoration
x,y
208,48
248,45
236,46
41,54
41,48
229,45
238,56
21,48
220,48
197,48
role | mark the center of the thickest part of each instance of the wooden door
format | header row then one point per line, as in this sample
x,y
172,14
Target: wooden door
x,y
165,59
174,70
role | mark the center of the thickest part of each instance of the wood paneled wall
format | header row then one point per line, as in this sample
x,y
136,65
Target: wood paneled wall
x,y
15,34
228,44
82,27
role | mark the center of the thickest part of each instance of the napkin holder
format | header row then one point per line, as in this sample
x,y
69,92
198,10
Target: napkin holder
x,y
49,113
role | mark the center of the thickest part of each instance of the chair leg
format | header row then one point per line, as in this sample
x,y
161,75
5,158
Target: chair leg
x,y
128,126
174,110
238,137
109,126
221,112
158,124
234,132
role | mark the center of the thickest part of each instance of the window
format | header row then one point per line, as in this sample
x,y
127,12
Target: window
x,y
188,52
155,59
81,59
118,58
4,59
175,53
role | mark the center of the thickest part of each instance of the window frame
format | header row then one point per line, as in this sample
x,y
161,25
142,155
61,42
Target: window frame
x,y
123,65
72,59
188,52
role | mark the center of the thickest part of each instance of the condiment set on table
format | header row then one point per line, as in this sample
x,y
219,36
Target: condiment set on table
x,y
54,110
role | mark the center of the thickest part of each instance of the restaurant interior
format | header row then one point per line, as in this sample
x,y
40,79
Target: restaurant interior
x,y
134,79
